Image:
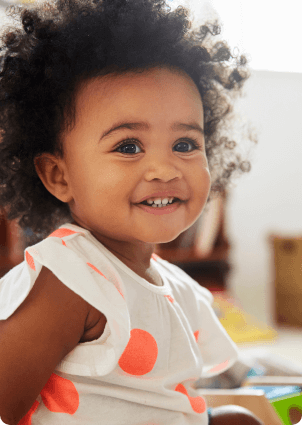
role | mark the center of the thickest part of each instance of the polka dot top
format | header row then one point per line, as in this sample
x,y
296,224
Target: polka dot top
x,y
158,340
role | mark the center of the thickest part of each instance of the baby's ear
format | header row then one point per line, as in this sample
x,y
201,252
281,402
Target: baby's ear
x,y
53,174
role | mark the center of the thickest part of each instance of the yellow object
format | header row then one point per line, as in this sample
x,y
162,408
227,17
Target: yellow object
x,y
240,326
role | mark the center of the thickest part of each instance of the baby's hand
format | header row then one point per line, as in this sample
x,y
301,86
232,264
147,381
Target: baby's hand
x,y
233,415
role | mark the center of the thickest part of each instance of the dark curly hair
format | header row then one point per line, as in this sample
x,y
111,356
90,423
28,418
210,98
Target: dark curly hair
x,y
59,44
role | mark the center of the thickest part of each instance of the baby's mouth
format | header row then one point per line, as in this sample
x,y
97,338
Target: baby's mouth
x,y
156,205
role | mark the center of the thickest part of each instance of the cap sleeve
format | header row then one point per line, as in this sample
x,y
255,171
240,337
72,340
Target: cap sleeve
x,y
64,256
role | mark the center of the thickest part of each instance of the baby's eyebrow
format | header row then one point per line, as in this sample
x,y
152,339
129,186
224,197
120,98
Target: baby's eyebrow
x,y
145,126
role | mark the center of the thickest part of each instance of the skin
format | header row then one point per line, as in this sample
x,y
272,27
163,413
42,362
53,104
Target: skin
x,y
101,185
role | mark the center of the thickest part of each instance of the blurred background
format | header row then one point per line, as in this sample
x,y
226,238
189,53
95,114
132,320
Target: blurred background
x,y
247,246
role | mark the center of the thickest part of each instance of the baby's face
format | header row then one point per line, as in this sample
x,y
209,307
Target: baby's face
x,y
156,114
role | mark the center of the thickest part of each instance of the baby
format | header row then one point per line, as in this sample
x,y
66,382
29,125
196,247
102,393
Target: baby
x,y
94,327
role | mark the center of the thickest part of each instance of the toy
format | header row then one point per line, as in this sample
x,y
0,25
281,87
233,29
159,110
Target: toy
x,y
241,326
286,400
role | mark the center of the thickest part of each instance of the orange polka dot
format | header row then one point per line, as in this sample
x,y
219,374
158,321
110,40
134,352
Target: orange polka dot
x,y
96,270
196,334
120,292
63,243
155,256
198,403
219,367
60,395
30,261
170,298
140,355
60,233
26,420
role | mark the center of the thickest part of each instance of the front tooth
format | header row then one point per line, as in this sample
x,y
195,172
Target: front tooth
x,y
157,201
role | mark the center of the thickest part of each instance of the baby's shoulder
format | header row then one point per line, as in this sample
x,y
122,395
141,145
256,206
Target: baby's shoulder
x,y
91,322
47,325
49,290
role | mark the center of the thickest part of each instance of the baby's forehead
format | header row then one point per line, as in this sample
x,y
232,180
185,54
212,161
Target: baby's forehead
x,y
154,101
136,80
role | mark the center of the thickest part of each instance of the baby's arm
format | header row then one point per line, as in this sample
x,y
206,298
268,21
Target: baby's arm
x,y
233,415
41,332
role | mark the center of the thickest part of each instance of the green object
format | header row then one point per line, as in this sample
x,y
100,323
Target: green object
x,y
283,398
283,406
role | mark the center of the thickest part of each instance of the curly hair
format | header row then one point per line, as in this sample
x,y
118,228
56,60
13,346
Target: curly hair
x,y
59,44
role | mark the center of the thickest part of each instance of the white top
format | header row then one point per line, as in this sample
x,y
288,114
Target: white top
x,y
158,340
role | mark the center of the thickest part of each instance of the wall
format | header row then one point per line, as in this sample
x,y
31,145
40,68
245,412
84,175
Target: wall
x,y
269,198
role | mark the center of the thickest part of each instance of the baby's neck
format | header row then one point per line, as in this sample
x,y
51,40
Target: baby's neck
x,y
135,255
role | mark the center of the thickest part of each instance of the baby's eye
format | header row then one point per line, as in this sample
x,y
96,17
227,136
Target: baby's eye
x,y
130,148
193,142
125,144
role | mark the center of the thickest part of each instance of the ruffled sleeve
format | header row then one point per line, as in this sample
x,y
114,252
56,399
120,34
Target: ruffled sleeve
x,y
95,280
217,349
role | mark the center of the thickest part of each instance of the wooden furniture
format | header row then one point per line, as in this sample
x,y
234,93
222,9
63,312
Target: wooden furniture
x,y
205,259
251,399
287,253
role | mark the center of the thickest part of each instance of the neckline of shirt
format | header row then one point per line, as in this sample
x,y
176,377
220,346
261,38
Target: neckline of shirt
x,y
164,288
